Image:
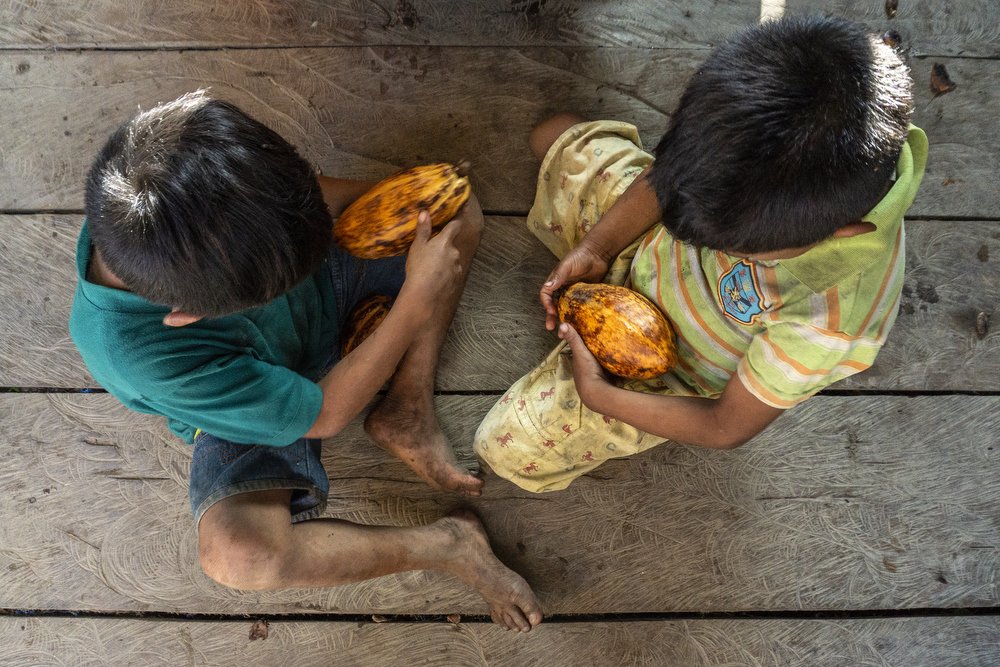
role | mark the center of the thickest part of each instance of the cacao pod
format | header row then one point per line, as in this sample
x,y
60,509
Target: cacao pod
x,y
625,331
383,221
363,320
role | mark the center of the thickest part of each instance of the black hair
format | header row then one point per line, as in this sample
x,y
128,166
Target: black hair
x,y
788,131
195,205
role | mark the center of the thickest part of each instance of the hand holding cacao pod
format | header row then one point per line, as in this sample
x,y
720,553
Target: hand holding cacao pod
x,y
383,221
625,331
581,264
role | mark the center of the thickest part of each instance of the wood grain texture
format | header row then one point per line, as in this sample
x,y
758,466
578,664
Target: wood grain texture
x,y
178,23
498,336
844,503
911,642
928,27
364,112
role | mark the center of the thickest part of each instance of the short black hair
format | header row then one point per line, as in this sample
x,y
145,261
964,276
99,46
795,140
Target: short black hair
x,y
195,205
788,131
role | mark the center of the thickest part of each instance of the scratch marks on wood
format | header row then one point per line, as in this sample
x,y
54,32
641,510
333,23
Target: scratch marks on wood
x,y
77,537
698,643
409,110
105,23
928,27
95,441
792,521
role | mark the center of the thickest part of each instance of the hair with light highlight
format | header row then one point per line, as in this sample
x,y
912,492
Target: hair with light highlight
x,y
788,131
197,206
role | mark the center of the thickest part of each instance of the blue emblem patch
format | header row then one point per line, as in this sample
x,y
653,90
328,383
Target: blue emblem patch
x,y
740,294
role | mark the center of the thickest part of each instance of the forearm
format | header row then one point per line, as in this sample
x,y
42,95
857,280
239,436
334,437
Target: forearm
x,y
338,193
719,423
689,419
635,211
356,378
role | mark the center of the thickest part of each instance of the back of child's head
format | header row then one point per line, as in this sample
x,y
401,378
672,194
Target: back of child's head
x,y
789,131
195,205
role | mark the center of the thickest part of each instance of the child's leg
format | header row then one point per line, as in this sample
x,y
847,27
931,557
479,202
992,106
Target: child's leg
x,y
539,435
545,133
404,423
247,541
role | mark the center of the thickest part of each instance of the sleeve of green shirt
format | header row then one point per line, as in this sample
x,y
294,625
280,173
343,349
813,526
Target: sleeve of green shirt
x,y
791,361
235,397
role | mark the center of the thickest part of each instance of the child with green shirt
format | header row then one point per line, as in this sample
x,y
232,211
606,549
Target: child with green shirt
x,y
209,291
768,228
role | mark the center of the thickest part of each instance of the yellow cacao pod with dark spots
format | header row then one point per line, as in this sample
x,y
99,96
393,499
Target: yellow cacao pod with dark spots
x,y
363,320
383,221
625,331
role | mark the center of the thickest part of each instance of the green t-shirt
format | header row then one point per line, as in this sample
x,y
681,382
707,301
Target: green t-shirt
x,y
249,377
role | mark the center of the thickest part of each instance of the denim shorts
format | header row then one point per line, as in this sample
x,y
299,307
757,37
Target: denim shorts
x,y
220,469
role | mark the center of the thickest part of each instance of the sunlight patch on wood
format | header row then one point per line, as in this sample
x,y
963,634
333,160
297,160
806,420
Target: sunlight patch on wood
x,y
771,9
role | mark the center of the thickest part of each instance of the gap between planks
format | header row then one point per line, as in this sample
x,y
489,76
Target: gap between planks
x,y
619,617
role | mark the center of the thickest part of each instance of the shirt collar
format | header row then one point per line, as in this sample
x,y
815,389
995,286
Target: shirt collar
x,y
833,260
107,298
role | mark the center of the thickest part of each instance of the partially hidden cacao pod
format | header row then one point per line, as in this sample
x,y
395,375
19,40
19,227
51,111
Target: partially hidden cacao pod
x,y
363,320
383,221
625,331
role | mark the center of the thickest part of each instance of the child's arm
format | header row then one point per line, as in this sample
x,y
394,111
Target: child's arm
x,y
635,211
723,423
338,193
433,273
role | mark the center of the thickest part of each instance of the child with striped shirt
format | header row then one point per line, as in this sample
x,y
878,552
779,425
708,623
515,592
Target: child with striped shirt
x,y
768,228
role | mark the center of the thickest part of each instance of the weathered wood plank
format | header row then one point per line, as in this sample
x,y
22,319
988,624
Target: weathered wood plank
x,y
934,27
365,111
497,336
151,24
928,27
844,503
911,642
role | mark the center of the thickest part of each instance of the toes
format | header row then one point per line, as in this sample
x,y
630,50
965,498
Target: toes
x,y
510,618
464,483
499,618
471,486
520,622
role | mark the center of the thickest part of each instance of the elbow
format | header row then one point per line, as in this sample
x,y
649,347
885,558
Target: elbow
x,y
325,427
732,443
723,439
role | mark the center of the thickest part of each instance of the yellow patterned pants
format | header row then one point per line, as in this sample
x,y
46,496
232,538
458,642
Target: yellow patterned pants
x,y
539,435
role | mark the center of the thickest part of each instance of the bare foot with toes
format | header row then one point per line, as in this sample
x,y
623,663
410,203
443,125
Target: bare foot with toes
x,y
512,603
410,432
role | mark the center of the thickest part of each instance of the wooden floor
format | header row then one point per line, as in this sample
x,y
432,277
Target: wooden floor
x,y
863,528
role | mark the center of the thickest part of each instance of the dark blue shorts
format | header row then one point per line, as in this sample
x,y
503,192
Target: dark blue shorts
x,y
220,469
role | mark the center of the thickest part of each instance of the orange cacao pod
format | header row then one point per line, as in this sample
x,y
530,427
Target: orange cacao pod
x,y
383,221
624,330
363,320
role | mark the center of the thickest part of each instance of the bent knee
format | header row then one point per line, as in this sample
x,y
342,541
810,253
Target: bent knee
x,y
545,133
246,564
472,229
242,561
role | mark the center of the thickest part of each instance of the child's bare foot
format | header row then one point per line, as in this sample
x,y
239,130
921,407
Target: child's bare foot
x,y
410,432
512,603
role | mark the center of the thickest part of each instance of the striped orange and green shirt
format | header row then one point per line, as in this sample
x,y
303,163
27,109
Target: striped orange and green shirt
x,y
787,328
